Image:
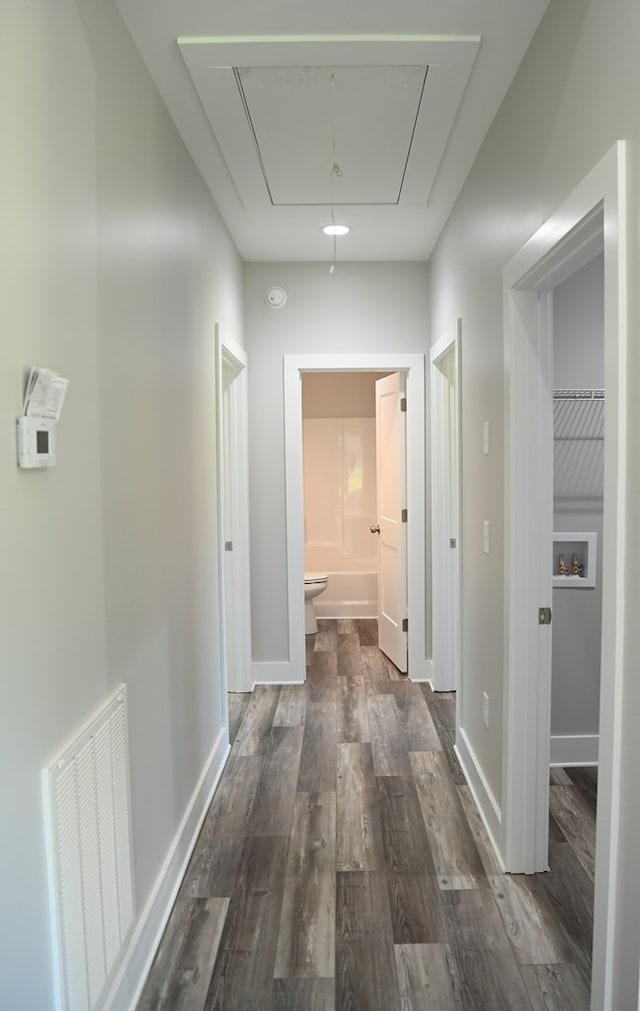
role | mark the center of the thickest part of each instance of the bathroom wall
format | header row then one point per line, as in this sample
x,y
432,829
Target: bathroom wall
x,y
578,337
339,468
339,447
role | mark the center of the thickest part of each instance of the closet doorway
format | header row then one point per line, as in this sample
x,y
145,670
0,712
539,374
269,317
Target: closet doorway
x,y
594,216
578,488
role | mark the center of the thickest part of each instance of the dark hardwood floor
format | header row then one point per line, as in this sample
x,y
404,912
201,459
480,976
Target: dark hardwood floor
x,y
343,864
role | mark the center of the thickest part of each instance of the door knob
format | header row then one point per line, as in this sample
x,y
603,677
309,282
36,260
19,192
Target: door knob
x,y
375,528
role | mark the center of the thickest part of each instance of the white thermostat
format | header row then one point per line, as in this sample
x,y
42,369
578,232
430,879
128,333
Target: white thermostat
x,y
36,442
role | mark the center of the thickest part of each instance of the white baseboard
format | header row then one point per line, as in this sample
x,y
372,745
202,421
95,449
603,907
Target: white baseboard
x,y
574,749
480,791
149,927
336,609
424,677
275,672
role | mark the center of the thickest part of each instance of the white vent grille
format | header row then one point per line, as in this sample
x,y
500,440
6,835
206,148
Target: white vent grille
x,y
89,851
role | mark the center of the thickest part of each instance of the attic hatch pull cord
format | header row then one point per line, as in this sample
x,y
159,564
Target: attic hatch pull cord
x,y
335,168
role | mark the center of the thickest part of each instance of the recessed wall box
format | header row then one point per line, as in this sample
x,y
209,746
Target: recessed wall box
x,y
578,553
36,442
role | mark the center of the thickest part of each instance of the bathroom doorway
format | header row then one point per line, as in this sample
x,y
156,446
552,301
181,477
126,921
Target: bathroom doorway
x,y
354,490
339,490
412,366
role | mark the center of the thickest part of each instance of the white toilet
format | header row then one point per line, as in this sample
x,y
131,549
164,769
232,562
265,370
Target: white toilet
x,y
314,584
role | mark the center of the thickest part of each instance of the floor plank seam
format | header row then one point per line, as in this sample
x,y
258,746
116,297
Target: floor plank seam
x,y
355,869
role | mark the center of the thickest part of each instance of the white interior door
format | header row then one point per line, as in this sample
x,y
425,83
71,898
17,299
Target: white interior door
x,y
445,492
227,495
233,516
392,518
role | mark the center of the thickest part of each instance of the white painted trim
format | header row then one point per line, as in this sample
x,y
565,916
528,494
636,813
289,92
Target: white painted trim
x,y
428,676
274,684
347,609
528,573
414,367
228,352
574,749
276,672
444,343
149,928
446,604
558,247
480,791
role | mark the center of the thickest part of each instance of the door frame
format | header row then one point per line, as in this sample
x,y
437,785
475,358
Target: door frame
x,y
442,454
596,210
232,471
413,365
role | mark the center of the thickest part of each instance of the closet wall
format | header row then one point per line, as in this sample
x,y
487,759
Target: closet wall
x,y
578,309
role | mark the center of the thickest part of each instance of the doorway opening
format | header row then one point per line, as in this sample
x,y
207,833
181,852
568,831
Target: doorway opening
x,y
354,448
593,216
412,366
579,407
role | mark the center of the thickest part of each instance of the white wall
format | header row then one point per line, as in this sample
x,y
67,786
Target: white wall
x,y
339,478
361,308
115,266
339,394
578,329
339,474
575,94
578,363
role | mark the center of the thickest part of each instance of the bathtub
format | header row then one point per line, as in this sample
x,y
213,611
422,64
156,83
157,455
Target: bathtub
x,y
349,595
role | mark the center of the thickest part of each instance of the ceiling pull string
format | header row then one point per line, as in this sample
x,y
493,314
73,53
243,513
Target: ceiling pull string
x,y
335,168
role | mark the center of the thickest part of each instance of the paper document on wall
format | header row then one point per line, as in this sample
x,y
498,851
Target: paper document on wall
x,y
44,395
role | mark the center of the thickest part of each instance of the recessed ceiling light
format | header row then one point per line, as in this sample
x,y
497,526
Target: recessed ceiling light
x,y
336,229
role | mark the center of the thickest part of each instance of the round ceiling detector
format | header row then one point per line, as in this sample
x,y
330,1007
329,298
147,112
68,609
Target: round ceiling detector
x,y
275,297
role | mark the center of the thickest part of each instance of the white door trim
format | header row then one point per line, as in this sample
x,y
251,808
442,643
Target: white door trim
x,y
565,241
414,367
231,355
441,506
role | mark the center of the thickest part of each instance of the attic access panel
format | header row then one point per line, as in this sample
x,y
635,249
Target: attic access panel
x,y
269,109
305,118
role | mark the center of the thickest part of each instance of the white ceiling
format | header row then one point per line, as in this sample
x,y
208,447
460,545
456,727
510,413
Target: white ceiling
x,y
300,111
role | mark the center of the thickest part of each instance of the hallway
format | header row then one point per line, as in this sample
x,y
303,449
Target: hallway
x,y
343,865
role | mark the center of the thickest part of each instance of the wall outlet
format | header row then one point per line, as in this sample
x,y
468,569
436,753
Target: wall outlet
x,y
485,709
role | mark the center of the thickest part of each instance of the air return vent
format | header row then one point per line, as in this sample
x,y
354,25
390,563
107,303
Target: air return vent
x,y
86,798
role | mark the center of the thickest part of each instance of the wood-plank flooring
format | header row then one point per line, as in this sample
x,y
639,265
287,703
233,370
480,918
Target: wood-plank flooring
x,y
343,864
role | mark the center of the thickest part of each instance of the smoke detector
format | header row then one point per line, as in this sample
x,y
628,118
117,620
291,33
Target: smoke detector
x,y
275,297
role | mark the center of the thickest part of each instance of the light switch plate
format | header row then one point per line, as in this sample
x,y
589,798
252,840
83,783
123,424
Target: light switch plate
x,y
486,543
